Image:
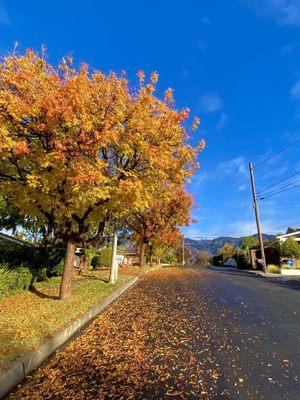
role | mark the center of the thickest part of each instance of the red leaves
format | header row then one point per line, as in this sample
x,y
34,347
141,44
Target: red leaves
x,y
20,148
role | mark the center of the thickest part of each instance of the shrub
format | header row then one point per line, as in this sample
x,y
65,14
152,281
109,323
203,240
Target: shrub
x,y
53,259
95,262
17,254
14,281
4,279
273,269
41,274
103,258
290,248
20,279
58,269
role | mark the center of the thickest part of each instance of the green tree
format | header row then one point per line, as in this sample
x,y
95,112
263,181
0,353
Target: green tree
x,y
249,241
290,248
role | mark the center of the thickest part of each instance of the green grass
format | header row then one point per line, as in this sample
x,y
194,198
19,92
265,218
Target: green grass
x,y
28,318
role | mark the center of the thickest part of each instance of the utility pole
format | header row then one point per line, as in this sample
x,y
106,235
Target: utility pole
x,y
183,256
114,266
257,217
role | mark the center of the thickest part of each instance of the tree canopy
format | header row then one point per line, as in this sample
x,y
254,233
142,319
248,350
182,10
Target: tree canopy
x,y
77,147
290,248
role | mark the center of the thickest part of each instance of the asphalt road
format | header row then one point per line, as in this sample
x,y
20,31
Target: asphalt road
x,y
184,334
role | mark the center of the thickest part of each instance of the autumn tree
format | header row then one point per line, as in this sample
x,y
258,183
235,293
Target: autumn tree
x,y
157,224
202,258
77,147
227,251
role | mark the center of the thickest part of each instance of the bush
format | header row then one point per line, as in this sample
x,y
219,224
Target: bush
x,y
58,269
14,281
273,269
41,274
16,254
21,279
95,262
52,259
4,279
290,248
103,258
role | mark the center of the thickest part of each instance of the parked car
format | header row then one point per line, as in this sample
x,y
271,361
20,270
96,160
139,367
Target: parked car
x,y
288,261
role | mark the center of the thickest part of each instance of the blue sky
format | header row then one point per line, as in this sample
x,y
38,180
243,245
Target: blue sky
x,y
235,63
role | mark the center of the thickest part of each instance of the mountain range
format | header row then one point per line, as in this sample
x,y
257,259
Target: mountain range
x,y
214,245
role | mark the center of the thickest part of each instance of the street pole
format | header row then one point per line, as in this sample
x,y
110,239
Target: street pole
x,y
183,256
257,217
113,269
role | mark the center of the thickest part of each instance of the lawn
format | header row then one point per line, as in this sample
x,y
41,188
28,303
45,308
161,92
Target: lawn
x,y
28,318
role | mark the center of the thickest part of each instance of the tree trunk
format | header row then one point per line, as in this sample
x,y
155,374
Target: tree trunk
x,y
142,254
151,255
158,260
83,267
65,286
114,265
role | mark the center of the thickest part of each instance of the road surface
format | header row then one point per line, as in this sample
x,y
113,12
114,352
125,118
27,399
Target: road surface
x,y
183,334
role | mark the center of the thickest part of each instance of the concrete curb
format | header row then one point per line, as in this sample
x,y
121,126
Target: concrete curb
x,y
32,359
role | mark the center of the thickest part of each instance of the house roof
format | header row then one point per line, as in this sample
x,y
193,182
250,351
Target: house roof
x,y
290,233
12,239
292,229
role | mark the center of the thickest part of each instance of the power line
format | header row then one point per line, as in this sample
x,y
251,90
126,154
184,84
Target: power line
x,y
279,181
277,154
282,187
279,191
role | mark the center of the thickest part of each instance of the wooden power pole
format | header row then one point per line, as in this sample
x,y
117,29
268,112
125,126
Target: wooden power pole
x,y
257,217
183,256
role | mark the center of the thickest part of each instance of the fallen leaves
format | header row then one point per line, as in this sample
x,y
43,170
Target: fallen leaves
x,y
170,336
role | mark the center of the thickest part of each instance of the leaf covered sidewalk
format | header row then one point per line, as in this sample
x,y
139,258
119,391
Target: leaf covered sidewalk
x,y
163,339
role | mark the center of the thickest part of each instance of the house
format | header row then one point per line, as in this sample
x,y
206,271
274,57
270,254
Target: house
x,y
271,254
131,258
291,233
271,250
11,239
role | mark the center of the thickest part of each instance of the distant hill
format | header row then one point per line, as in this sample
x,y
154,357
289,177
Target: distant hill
x,y
214,245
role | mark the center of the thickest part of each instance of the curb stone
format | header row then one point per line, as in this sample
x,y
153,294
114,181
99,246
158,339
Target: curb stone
x,y
30,360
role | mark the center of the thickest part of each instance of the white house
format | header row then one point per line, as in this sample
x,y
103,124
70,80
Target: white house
x,y
292,233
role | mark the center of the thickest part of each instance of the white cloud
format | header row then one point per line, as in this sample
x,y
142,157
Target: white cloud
x,y
4,16
201,45
211,102
242,188
284,12
287,49
201,177
237,165
295,90
223,121
206,21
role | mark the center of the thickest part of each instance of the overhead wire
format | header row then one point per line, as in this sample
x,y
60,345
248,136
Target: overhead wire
x,y
279,191
279,181
277,153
